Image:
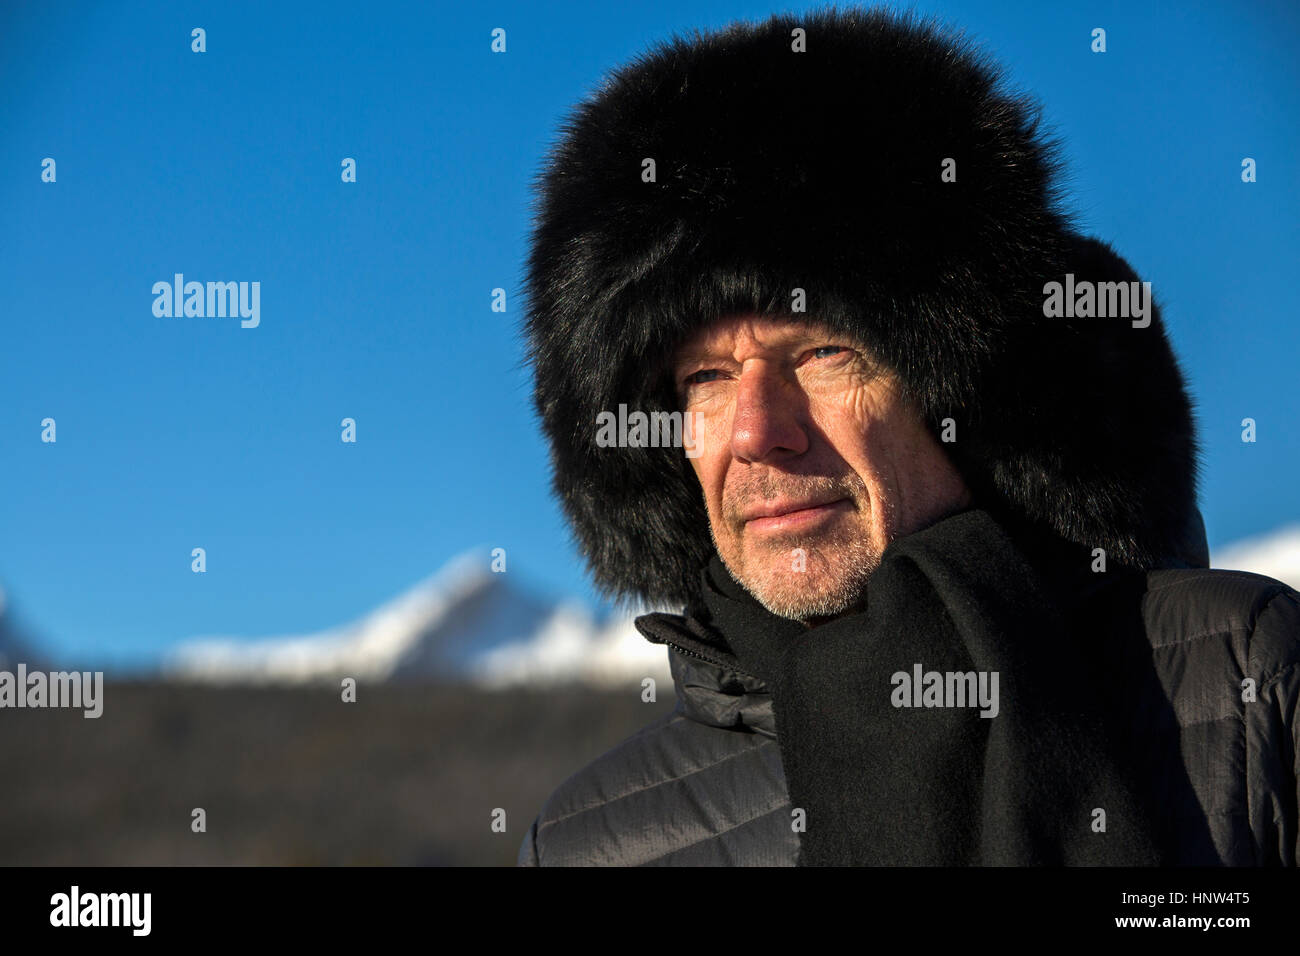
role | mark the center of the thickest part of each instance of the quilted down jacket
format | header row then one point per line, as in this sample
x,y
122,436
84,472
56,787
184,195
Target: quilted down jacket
x,y
1219,724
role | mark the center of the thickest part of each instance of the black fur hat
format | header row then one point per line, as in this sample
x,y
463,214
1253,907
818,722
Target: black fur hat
x,y
822,169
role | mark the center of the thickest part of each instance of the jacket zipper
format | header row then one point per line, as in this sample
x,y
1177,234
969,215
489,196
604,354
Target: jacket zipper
x,y
728,665
710,660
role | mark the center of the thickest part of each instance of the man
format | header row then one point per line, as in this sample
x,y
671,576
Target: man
x,y
935,540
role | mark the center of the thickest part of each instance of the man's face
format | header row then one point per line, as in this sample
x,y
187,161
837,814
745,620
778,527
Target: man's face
x,y
810,459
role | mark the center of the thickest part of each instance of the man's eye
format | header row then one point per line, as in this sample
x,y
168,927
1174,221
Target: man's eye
x,y
829,350
702,376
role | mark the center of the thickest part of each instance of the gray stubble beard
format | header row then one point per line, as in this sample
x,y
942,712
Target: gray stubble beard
x,y
858,555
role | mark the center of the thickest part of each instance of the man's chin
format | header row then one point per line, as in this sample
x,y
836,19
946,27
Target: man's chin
x,y
803,583
804,595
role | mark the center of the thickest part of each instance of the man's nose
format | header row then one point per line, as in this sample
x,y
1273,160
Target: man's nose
x,y
768,417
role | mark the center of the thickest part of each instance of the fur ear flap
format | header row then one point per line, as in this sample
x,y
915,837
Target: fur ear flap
x,y
1084,424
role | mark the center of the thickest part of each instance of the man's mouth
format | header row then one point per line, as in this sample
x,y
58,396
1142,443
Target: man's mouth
x,y
787,515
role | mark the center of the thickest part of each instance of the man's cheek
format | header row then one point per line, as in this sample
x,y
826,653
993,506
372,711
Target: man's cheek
x,y
692,435
706,469
708,430
711,471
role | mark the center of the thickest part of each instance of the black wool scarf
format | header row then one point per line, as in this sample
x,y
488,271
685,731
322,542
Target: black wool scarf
x,y
1047,781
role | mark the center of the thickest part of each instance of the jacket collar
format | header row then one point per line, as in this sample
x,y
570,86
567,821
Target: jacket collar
x,y
712,686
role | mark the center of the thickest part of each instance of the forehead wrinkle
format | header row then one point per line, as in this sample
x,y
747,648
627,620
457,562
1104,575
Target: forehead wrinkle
x,y
763,331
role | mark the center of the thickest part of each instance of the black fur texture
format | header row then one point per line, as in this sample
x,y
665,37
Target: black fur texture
x,y
820,170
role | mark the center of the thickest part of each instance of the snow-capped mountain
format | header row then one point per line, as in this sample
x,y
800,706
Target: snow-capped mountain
x,y
1276,554
464,623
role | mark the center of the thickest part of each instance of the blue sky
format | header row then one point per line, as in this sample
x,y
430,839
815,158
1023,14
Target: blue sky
x,y
376,296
